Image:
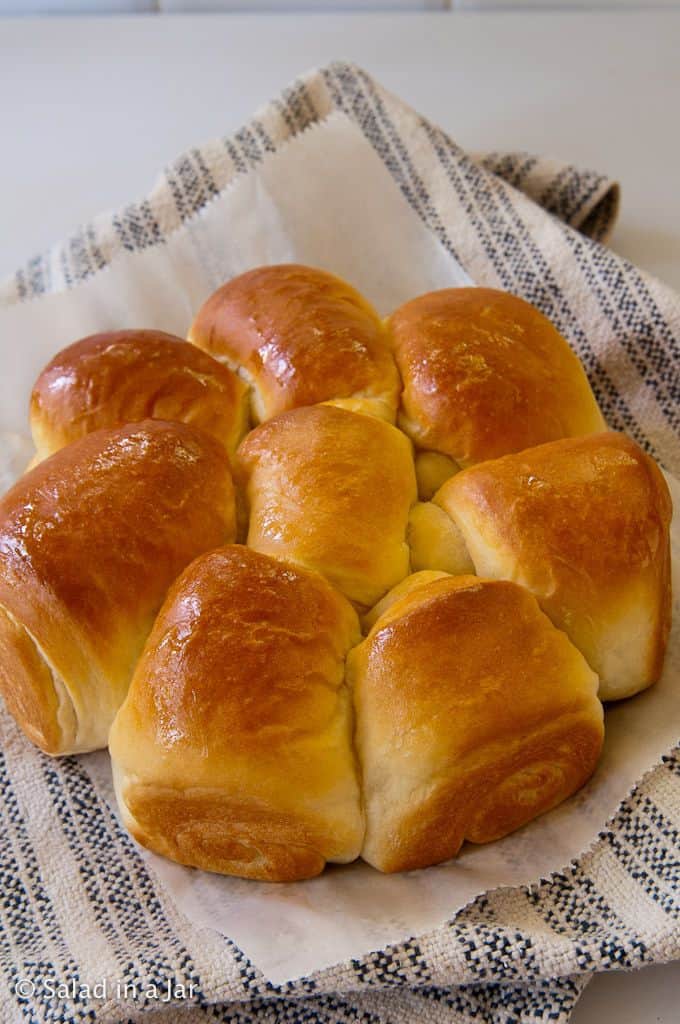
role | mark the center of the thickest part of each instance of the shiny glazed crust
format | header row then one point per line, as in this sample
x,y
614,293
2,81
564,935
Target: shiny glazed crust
x,y
261,736
90,541
331,490
233,751
485,373
108,380
300,336
474,715
582,523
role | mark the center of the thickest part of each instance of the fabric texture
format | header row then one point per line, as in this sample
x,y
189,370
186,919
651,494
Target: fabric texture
x,y
77,903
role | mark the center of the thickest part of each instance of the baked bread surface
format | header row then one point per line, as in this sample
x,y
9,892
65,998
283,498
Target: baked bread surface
x,y
584,524
119,377
233,750
261,735
90,541
485,373
331,490
299,336
473,716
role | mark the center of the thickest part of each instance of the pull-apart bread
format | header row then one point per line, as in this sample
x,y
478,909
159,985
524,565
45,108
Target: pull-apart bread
x,y
445,474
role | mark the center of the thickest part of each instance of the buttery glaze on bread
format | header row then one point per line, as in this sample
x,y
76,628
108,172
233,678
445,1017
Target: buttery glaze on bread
x,y
473,716
582,523
232,751
237,749
121,377
90,541
299,336
485,373
331,490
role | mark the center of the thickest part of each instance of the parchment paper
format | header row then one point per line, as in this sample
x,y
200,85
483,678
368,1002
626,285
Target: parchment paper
x,y
327,200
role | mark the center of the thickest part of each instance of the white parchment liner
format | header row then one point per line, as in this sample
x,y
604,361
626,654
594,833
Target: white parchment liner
x,y
327,200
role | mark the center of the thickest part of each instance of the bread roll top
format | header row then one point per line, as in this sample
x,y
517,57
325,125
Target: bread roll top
x,y
474,714
119,377
485,373
583,523
301,336
331,490
90,541
238,725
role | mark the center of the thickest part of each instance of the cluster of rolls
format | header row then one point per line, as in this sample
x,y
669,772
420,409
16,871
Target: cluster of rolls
x,y
330,586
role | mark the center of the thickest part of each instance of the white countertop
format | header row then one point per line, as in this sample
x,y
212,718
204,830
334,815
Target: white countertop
x,y
91,109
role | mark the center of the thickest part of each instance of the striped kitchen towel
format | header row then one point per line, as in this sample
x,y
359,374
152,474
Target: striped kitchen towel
x,y
77,904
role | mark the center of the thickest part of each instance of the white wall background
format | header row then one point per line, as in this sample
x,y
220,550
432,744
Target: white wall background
x,y
27,7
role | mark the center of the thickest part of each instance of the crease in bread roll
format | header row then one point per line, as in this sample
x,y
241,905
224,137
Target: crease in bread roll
x,y
331,491
90,541
432,470
474,714
485,373
411,583
366,406
119,377
233,749
299,336
24,656
584,524
436,542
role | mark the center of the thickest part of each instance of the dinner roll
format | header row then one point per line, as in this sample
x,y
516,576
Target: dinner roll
x,y
232,751
584,524
121,377
484,373
331,490
90,541
473,716
299,336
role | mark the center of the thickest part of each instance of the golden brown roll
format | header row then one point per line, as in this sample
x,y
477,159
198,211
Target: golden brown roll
x,y
299,336
121,377
584,524
90,541
473,716
232,751
331,490
484,373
